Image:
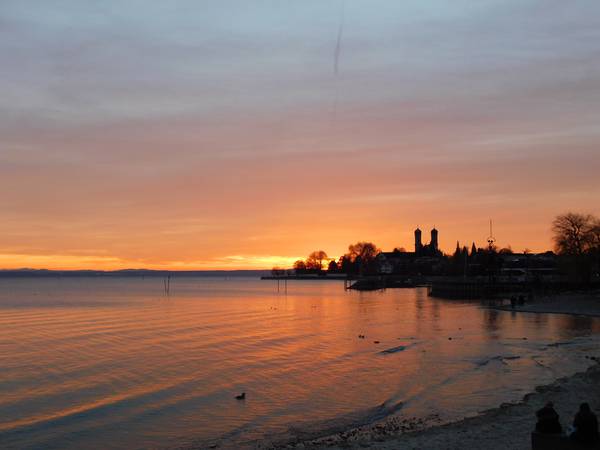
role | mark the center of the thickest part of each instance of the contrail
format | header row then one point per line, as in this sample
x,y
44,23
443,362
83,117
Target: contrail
x,y
336,59
338,45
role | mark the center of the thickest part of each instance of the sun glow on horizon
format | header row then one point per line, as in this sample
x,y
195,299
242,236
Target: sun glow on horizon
x,y
76,262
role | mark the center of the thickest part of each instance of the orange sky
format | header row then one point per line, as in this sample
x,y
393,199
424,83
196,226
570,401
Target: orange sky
x,y
225,140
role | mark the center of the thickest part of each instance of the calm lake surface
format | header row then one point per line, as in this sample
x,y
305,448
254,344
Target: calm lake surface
x,y
115,363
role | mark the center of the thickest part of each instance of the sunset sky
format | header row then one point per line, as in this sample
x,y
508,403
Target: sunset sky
x,y
218,134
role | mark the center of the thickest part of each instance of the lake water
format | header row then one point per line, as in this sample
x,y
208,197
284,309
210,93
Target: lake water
x,y
116,363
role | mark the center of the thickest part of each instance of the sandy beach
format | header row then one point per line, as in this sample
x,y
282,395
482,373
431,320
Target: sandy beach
x,y
507,426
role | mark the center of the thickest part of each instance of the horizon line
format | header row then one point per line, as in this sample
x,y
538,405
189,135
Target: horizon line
x,y
28,269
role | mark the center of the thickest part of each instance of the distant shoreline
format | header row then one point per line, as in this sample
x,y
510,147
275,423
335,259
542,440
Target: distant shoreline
x,y
41,273
338,277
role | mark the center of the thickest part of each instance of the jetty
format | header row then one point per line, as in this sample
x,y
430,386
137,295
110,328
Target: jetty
x,y
312,277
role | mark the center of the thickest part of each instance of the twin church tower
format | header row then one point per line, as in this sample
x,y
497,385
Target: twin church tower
x,y
430,249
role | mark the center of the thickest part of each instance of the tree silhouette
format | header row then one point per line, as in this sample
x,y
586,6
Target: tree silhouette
x,y
366,251
315,260
594,235
573,233
575,238
333,267
346,265
299,266
362,255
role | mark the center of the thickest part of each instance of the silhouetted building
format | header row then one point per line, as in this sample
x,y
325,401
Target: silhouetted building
x,y
431,249
528,266
424,260
418,243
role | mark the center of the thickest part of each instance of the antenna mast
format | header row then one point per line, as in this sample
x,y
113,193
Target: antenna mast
x,y
491,239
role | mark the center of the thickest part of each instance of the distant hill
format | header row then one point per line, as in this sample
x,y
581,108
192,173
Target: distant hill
x,y
14,273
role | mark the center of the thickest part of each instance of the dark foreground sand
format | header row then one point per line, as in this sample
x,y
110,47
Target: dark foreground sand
x,y
506,427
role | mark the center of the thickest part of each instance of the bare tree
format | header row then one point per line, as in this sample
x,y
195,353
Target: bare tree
x,y
594,236
315,259
365,251
362,255
573,233
299,266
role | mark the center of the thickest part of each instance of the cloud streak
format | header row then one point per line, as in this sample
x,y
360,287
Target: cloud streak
x,y
338,43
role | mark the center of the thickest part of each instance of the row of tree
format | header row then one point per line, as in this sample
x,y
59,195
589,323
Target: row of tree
x,y
576,237
314,262
359,258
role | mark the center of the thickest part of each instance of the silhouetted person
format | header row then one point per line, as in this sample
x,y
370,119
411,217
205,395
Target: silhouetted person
x,y
586,425
548,422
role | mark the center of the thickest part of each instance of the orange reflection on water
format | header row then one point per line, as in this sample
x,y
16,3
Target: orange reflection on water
x,y
118,361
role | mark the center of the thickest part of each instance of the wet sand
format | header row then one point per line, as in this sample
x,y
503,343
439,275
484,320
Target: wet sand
x,y
508,426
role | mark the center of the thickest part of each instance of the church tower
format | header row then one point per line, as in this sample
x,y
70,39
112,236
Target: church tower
x,y
434,239
418,243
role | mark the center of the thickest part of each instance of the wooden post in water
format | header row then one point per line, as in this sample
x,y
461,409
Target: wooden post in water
x,y
347,283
